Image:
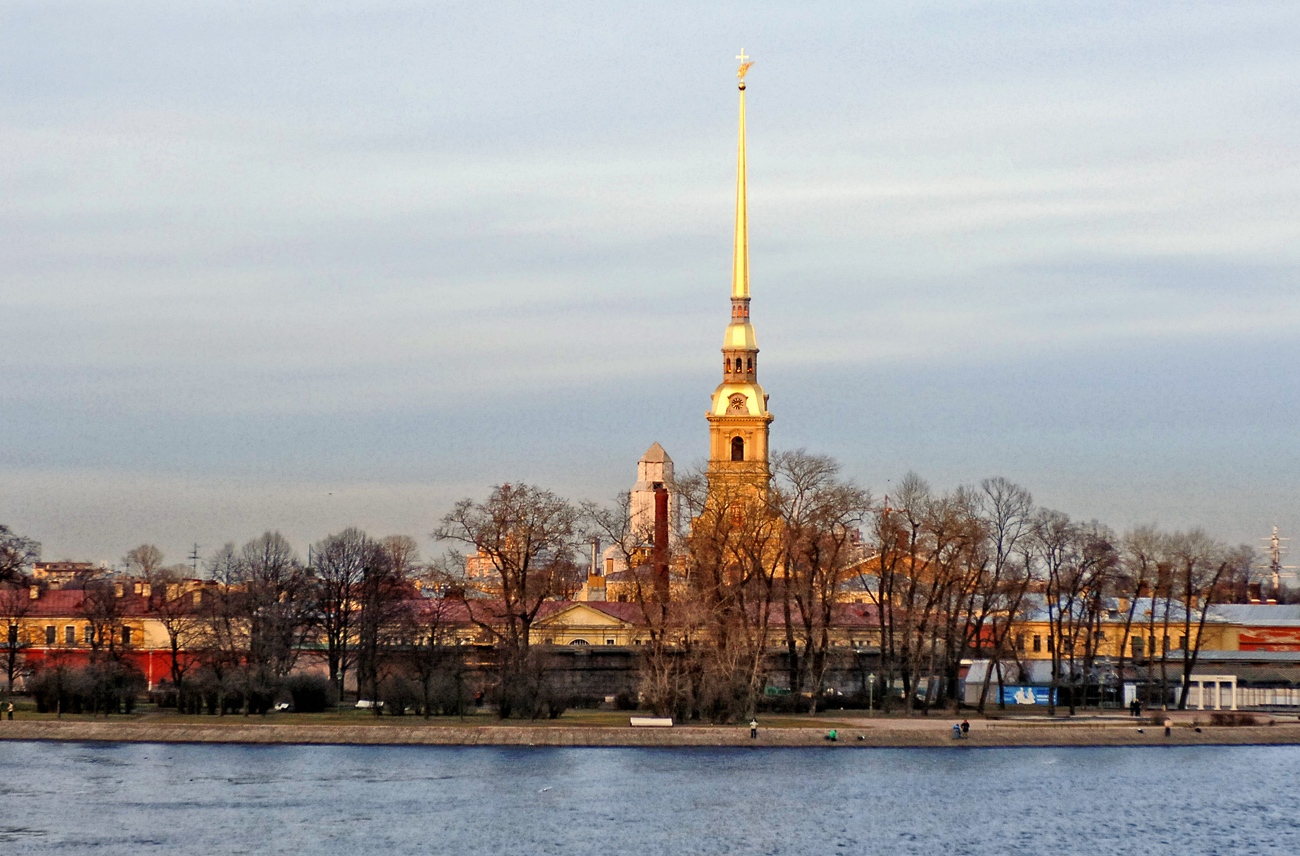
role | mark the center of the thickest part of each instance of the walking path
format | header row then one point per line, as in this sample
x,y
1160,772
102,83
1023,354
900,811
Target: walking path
x,y
851,731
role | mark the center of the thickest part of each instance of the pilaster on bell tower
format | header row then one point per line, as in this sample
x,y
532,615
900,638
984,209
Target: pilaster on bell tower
x,y
738,419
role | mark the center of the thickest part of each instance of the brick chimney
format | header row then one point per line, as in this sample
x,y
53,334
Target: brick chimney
x,y
661,544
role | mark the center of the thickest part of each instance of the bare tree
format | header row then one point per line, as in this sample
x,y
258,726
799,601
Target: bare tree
x,y
820,517
102,609
143,561
674,650
925,549
340,561
223,629
521,530
15,603
436,656
384,588
16,553
277,606
1141,551
1203,568
172,605
1006,510
1076,561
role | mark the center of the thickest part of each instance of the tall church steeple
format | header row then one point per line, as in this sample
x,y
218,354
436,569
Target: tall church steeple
x,y
738,419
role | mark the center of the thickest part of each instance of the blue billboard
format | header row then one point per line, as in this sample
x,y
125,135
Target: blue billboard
x,y
1026,695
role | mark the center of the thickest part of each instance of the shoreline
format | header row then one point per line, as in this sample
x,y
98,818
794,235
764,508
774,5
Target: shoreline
x,y
898,735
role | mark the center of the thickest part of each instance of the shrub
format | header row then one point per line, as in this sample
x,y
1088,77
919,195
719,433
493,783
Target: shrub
x,y
311,693
1232,718
104,687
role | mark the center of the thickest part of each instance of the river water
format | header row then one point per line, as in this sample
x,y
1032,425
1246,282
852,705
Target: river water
x,y
151,798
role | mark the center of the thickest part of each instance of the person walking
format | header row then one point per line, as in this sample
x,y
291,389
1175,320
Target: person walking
x,y
753,729
9,708
965,728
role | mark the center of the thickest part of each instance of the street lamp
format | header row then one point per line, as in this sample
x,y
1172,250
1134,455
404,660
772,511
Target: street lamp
x,y
871,692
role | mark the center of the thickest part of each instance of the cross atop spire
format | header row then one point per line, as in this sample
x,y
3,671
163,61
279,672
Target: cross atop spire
x,y
744,67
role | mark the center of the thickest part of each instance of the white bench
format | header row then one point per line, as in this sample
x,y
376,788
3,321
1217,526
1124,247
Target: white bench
x,y
650,722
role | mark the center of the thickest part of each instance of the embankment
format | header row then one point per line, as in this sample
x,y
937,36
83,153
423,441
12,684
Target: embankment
x,y
897,735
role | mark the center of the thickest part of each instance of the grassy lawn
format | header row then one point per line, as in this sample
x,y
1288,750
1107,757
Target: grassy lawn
x,y
576,718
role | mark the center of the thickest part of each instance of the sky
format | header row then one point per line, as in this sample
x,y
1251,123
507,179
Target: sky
x,y
301,266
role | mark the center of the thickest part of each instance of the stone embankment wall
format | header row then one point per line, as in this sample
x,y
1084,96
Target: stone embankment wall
x,y
896,734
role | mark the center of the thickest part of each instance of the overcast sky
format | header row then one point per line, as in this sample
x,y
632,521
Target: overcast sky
x,y
300,266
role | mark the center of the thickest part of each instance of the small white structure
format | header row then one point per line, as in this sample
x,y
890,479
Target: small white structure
x,y
650,722
1216,684
654,470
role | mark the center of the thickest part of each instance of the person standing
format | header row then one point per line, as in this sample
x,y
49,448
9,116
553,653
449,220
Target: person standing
x,y
9,709
1169,724
753,729
965,728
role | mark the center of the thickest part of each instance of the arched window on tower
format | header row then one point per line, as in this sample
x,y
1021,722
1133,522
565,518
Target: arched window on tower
x,y
737,449
750,366
737,363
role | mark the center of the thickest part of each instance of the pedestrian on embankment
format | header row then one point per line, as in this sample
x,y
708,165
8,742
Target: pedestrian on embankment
x,y
753,729
1169,724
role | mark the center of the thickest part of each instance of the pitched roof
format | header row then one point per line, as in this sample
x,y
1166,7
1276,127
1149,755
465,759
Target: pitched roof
x,y
655,455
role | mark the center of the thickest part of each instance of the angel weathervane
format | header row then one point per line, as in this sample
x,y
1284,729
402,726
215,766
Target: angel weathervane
x,y
744,67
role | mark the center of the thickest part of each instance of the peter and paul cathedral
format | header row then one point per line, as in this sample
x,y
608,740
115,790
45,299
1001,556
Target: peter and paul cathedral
x,y
739,419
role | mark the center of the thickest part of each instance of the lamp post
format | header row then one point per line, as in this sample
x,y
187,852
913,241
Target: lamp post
x,y
871,692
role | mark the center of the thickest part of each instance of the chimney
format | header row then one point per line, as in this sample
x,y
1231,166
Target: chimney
x,y
595,580
661,544
1252,593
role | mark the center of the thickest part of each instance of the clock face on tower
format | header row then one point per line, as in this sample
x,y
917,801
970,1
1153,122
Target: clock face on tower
x,y
738,403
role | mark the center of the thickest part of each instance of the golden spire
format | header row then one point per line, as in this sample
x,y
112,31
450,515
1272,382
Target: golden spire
x,y
740,261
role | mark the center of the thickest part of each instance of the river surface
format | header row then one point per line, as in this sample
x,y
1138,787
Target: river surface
x,y
178,799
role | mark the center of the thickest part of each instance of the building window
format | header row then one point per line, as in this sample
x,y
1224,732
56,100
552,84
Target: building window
x,y
126,635
609,641
1165,649
622,598
49,634
1182,643
579,642
90,634
1038,644
1050,649
1020,641
13,634
737,449
70,635
1137,647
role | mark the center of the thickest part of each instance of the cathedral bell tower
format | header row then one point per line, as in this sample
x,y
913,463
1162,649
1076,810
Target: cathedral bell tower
x,y
738,419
